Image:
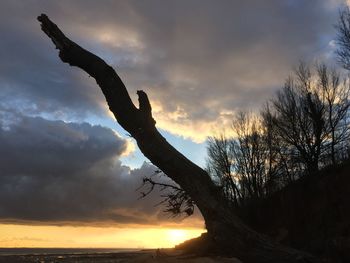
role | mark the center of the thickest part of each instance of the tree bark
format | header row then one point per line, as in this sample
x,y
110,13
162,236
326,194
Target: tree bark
x,y
225,229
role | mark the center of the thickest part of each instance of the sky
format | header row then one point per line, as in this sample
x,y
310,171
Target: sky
x,y
68,173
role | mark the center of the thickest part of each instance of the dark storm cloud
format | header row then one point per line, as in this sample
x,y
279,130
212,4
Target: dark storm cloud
x,y
32,80
54,172
199,60
201,56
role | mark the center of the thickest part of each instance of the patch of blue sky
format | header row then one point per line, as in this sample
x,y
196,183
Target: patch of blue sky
x,y
196,152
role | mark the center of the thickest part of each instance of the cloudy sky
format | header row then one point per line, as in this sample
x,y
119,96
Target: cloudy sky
x,y
63,159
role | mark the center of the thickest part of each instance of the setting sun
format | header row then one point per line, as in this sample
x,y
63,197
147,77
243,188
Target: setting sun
x,y
177,236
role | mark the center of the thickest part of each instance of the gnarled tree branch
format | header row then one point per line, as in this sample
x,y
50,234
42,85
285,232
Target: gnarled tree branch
x,y
225,229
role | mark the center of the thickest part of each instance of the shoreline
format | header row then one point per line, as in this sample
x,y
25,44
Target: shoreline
x,y
26,251
139,256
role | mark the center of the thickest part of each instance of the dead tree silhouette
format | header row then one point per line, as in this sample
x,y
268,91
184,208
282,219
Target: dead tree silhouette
x,y
225,230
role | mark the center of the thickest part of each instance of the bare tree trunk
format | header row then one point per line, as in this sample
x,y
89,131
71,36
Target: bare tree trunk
x,y
225,229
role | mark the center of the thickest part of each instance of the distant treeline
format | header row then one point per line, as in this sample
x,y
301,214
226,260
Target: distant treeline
x,y
303,128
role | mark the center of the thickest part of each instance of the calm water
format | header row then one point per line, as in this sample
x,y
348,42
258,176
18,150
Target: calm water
x,y
47,251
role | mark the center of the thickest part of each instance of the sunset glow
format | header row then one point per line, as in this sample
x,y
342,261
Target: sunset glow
x,y
93,237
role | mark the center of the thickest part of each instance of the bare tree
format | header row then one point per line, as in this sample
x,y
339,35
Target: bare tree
x,y
343,37
251,164
280,164
225,230
310,116
238,162
299,117
335,95
250,151
220,165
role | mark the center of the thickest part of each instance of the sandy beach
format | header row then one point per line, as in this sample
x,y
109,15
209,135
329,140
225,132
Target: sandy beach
x,y
142,256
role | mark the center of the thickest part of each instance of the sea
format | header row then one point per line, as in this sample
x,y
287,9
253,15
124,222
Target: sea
x,y
57,251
